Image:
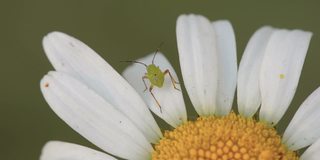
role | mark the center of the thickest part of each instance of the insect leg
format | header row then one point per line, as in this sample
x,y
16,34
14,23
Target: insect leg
x,y
150,90
144,82
172,79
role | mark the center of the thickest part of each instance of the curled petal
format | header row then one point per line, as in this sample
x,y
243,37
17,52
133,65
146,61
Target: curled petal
x,y
93,117
304,128
249,97
56,150
313,152
173,109
208,61
73,57
227,66
280,72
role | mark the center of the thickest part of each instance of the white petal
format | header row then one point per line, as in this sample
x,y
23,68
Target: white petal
x,y
280,72
313,152
227,65
198,55
304,128
94,118
56,150
69,55
170,99
249,98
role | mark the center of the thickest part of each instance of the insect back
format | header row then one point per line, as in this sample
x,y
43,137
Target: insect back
x,y
155,75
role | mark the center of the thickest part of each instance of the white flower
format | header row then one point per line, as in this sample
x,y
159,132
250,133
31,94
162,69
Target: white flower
x,y
93,99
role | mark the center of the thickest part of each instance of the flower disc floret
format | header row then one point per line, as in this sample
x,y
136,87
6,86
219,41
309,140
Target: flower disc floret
x,y
222,138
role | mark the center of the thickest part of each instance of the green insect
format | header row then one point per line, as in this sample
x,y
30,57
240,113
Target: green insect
x,y
155,77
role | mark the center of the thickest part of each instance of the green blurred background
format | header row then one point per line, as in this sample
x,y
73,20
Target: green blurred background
x,y
117,30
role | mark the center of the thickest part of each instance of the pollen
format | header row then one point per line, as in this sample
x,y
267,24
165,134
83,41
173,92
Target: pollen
x,y
230,137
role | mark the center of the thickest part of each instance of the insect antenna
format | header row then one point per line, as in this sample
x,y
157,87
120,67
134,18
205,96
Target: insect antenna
x,y
136,62
155,53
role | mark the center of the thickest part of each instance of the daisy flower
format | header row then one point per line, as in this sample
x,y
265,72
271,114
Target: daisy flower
x,y
113,111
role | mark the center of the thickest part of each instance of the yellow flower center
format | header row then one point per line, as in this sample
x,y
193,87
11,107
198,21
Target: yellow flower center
x,y
231,137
